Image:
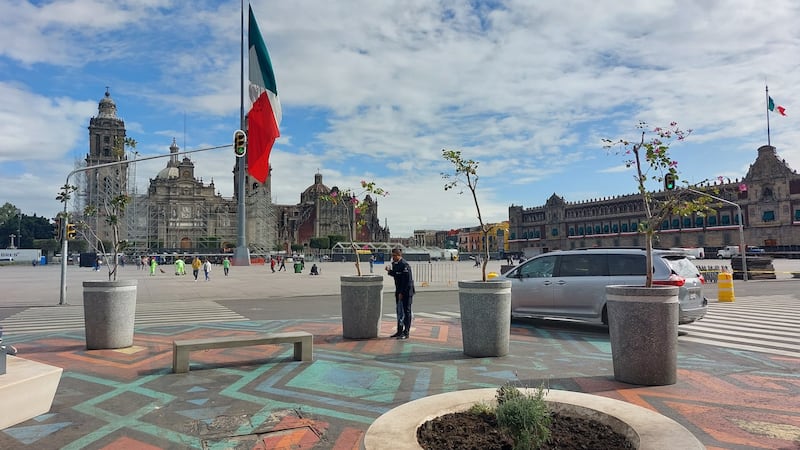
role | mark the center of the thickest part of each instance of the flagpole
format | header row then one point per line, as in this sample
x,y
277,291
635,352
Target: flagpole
x,y
241,256
766,88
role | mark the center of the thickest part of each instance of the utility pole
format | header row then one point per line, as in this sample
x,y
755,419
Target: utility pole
x,y
741,227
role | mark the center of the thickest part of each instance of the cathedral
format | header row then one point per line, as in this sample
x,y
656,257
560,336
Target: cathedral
x,y
179,213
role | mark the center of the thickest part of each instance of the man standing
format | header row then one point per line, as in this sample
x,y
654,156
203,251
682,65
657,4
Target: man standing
x,y
403,292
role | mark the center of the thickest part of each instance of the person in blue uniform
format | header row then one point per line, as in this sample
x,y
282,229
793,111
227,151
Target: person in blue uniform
x,y
400,270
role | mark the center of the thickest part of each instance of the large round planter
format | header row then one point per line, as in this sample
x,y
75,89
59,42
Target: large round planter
x,y
397,428
362,306
485,317
109,312
643,330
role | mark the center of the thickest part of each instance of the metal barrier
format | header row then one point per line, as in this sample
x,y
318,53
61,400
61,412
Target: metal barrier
x,y
440,273
711,273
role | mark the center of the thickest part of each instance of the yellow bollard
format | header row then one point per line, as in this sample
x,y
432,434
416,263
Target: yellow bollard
x,y
491,275
725,287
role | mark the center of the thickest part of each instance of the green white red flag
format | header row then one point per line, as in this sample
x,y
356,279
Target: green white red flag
x,y
776,108
264,116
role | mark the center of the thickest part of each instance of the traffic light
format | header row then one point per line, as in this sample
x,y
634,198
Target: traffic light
x,y
72,233
57,228
669,181
239,143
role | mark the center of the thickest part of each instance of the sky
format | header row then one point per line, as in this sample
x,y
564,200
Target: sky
x,y
374,90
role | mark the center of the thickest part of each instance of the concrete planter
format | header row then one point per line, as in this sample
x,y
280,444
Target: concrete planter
x,y
362,306
397,428
485,317
109,312
643,329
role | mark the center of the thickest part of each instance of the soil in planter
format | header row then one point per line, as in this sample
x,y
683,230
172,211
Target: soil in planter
x,y
468,431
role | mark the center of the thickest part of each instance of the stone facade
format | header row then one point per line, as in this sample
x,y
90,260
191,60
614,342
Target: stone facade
x,y
769,197
99,186
315,217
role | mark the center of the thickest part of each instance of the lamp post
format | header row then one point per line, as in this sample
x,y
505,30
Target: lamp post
x,y
741,227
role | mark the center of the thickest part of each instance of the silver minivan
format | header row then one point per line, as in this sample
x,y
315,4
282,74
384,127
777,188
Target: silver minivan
x,y
571,284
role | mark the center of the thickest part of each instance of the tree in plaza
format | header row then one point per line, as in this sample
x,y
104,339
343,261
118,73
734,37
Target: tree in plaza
x,y
465,173
649,156
113,211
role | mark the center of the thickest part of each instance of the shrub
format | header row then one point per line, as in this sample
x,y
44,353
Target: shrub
x,y
525,416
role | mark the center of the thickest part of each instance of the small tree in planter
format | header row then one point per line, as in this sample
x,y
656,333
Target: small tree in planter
x,y
634,310
465,172
485,307
650,156
356,207
113,209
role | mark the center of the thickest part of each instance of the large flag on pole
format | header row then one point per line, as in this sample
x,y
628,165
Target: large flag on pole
x,y
264,116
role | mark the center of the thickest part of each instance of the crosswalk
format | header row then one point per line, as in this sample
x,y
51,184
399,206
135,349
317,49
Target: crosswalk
x,y
61,318
765,324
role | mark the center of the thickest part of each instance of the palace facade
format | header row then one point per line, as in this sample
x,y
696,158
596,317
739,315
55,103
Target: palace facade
x,y
769,198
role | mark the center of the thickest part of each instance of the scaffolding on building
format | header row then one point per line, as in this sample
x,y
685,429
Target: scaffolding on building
x,y
260,209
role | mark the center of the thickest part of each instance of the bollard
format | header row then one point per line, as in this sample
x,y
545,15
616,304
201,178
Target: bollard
x,y
725,287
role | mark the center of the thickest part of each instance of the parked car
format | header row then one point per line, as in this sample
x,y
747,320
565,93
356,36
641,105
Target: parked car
x,y
571,284
753,250
729,251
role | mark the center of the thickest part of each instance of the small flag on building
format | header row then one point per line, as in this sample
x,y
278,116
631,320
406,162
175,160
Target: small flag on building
x,y
776,108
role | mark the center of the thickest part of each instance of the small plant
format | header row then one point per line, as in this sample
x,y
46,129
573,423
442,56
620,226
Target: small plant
x,y
466,173
525,416
113,209
356,208
650,156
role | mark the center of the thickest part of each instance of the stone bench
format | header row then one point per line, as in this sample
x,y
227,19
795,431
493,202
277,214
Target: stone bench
x,y
303,346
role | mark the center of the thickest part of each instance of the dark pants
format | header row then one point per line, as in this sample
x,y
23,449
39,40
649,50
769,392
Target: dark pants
x,y
403,312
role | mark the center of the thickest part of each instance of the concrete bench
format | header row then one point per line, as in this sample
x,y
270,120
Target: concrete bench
x,y
303,346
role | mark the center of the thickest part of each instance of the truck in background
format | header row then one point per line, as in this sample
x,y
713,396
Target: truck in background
x,y
729,251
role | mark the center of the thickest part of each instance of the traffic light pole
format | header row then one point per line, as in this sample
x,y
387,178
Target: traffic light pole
x,y
741,227
62,299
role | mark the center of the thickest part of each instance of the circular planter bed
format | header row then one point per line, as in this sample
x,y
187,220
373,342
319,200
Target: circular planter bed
x,y
397,428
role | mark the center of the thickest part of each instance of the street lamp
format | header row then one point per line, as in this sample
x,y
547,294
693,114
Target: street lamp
x,y
741,228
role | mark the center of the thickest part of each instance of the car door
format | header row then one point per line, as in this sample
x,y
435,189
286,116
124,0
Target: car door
x,y
579,285
532,286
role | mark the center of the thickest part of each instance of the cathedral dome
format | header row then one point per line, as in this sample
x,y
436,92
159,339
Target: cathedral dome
x,y
168,173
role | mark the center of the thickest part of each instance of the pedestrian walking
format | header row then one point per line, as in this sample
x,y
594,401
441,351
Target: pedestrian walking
x,y
272,263
196,264
283,264
400,270
226,265
153,265
207,269
371,262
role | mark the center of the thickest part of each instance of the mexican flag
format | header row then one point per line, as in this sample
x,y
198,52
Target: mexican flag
x,y
264,116
772,107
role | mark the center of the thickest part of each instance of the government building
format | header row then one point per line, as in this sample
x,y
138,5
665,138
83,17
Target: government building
x,y
769,198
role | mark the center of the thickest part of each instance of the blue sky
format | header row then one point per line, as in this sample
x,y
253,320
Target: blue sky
x,y
375,90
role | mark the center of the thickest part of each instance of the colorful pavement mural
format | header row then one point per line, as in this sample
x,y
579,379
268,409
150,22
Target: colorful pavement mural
x,y
260,398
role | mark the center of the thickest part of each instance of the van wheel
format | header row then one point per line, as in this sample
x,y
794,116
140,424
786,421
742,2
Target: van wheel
x,y
604,315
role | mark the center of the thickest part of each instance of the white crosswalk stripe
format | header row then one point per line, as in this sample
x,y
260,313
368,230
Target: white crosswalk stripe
x,y
436,315
766,324
58,318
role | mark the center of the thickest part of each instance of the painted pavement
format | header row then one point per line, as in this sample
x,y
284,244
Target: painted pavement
x,y
260,398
